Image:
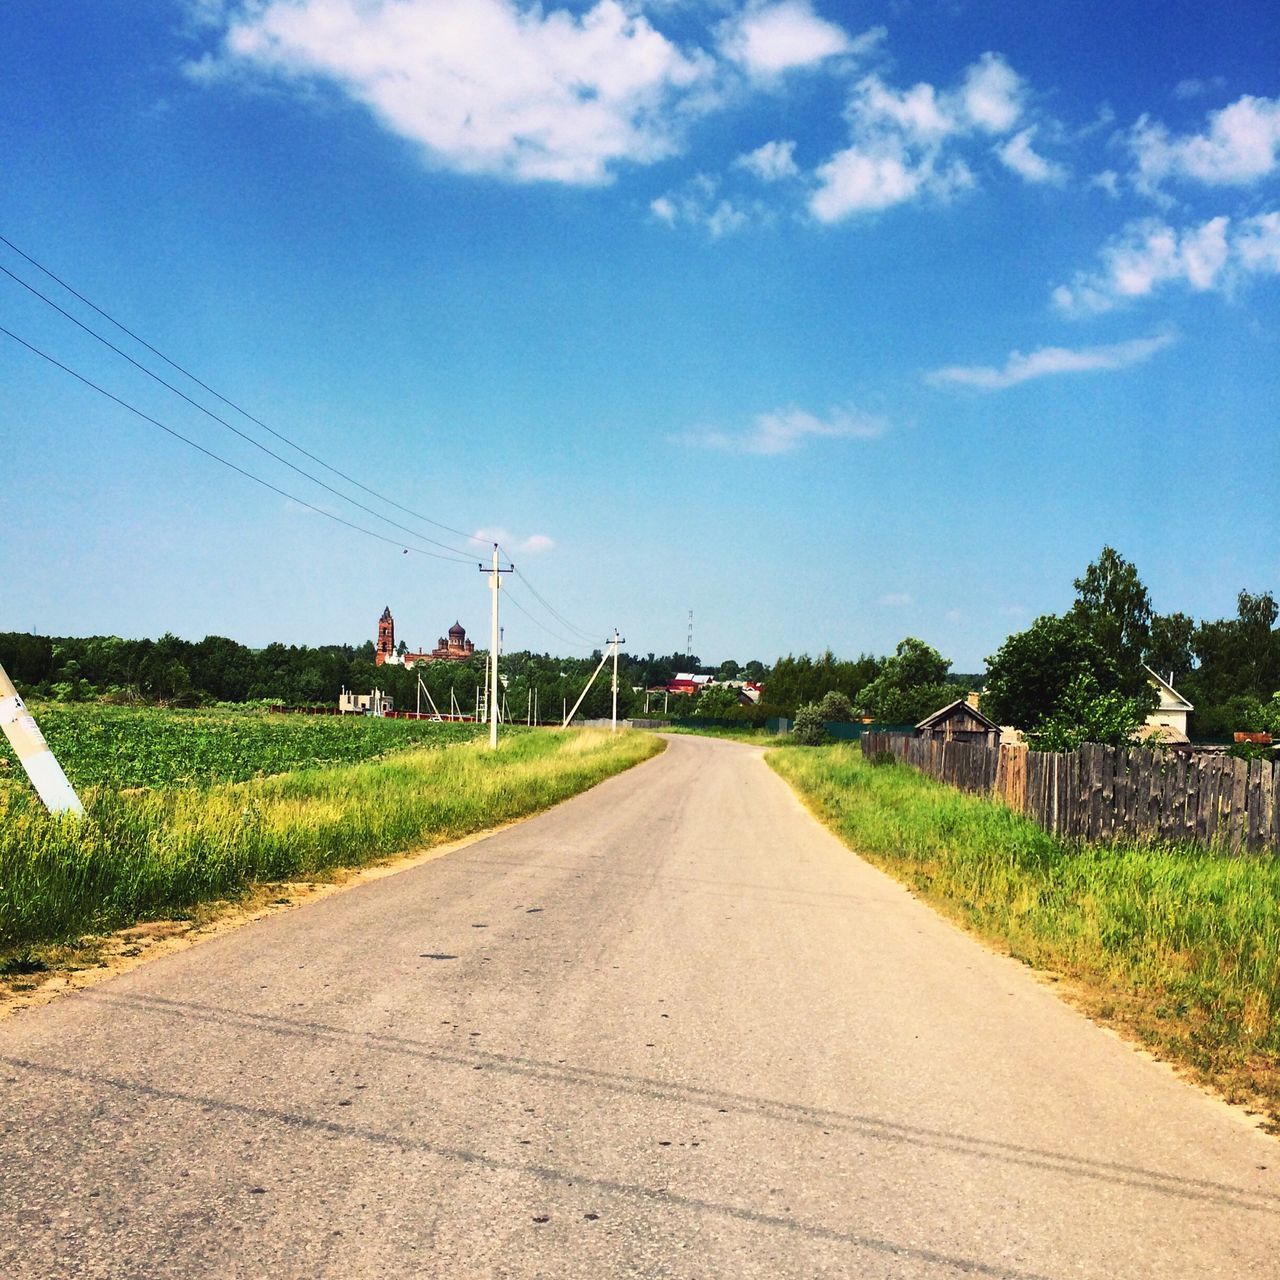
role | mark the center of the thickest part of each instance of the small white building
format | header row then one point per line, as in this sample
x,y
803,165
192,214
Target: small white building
x,y
376,703
1169,720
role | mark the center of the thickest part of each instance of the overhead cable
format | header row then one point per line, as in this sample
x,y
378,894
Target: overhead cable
x,y
173,364
195,404
209,453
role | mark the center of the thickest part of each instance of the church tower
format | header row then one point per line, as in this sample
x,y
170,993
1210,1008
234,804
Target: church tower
x,y
386,647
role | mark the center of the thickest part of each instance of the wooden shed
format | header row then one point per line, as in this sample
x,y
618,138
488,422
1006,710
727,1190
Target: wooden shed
x,y
959,721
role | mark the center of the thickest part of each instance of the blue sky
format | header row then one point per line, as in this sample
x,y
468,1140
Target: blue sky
x,y
831,322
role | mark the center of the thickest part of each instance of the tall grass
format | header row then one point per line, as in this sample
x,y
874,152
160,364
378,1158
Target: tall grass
x,y
136,855
1180,944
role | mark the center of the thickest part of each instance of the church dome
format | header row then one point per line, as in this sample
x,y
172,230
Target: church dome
x,y
457,632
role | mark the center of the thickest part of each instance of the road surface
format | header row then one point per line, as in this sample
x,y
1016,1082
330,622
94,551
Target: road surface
x,y
670,1029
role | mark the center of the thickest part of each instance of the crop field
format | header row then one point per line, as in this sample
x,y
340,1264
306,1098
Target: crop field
x,y
127,747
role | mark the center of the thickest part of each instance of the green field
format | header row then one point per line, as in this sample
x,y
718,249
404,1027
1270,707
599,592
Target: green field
x,y
127,747
1179,945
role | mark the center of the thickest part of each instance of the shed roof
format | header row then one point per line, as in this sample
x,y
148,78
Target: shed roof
x,y
943,712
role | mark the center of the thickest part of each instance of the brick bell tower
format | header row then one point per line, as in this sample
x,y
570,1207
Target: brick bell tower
x,y
386,645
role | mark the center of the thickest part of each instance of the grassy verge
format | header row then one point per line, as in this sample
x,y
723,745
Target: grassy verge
x,y
140,855
1177,946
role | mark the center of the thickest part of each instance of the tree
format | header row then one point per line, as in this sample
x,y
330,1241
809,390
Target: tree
x,y
1169,650
1085,713
1114,608
910,685
716,701
1239,655
835,707
1032,671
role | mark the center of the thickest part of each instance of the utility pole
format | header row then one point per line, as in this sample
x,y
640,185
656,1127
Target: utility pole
x,y
617,640
32,750
495,582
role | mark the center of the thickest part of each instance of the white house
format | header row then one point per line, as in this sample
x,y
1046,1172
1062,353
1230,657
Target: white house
x,y
1171,713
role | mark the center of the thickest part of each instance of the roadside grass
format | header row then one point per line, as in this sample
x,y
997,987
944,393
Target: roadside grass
x,y
1176,945
101,745
145,854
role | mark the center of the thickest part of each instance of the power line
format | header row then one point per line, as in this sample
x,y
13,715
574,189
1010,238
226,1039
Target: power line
x,y
537,622
173,364
249,475
195,404
586,635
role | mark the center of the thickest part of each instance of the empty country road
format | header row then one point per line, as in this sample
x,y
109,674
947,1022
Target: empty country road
x,y
672,1028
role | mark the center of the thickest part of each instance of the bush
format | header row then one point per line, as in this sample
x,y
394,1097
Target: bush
x,y
810,728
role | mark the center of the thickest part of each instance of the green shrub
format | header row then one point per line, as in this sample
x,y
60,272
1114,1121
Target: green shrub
x,y
809,729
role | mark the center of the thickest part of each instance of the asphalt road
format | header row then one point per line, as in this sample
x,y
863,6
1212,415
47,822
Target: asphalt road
x,y
672,1028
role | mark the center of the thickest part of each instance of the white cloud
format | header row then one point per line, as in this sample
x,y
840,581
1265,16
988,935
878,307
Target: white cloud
x,y
699,204
1109,181
993,94
1239,146
1019,155
767,39
785,430
514,545
919,113
771,162
1193,87
904,142
1217,255
484,86
896,599
1047,361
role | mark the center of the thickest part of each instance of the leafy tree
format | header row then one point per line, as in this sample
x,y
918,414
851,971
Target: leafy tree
x,y
910,706
728,670
1113,607
1031,672
755,671
1239,655
910,684
716,702
1086,713
1170,647
835,707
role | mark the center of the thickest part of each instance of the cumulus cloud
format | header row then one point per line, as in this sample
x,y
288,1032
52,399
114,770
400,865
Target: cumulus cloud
x,y
698,203
993,94
484,86
1048,361
1019,155
768,39
1239,146
786,430
1216,255
512,544
905,142
771,162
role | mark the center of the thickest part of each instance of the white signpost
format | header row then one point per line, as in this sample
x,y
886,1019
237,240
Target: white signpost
x,y
28,743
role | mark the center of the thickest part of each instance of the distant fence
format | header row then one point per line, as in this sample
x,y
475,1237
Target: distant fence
x,y
1100,793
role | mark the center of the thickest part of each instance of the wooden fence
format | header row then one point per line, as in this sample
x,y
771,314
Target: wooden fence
x,y
1101,793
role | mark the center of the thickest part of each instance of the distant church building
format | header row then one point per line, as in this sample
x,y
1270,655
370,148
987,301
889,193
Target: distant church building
x,y
457,648
453,648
